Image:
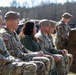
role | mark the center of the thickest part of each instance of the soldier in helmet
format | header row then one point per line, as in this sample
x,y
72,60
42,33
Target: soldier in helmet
x,y
62,30
16,49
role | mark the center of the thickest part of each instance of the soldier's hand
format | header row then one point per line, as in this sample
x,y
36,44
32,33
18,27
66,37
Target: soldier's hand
x,y
18,60
41,53
64,52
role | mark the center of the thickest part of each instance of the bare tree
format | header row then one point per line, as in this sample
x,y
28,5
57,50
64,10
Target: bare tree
x,y
13,3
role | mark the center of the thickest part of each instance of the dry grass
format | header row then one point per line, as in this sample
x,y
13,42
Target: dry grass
x,y
72,74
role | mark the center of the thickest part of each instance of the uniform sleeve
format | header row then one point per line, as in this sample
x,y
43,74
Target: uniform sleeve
x,y
55,51
61,32
3,60
12,50
4,54
50,50
41,43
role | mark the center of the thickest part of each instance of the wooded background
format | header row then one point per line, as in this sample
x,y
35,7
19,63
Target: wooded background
x,y
45,10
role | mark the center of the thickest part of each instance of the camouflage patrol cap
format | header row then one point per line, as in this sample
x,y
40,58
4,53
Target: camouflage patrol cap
x,y
66,15
11,15
44,22
52,22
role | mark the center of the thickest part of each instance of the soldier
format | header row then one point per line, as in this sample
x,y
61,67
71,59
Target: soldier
x,y
12,66
62,30
14,46
52,28
52,31
47,47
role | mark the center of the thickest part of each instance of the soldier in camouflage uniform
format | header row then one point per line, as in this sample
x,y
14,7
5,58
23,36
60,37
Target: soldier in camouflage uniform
x,y
12,66
63,29
47,48
16,49
53,31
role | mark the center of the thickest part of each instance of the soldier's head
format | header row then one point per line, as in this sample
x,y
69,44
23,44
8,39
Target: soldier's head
x,y
66,17
12,19
44,25
29,29
52,27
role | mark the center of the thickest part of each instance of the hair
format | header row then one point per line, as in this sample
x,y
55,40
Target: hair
x,y
27,29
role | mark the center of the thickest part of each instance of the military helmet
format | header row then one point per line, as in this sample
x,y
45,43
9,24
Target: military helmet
x,y
66,15
11,15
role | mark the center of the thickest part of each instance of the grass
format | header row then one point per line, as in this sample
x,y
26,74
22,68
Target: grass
x,y
72,74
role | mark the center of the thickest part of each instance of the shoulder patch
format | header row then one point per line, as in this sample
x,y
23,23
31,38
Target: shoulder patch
x,y
39,36
59,26
5,38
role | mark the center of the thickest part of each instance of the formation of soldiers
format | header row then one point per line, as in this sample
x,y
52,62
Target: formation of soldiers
x,y
15,59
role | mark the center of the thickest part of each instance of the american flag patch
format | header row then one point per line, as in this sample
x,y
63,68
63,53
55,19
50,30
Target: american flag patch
x,y
5,38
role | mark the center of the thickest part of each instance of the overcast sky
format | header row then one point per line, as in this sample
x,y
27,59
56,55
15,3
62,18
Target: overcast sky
x,y
4,3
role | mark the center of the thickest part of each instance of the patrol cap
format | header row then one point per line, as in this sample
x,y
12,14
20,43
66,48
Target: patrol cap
x,y
66,15
44,22
52,22
11,15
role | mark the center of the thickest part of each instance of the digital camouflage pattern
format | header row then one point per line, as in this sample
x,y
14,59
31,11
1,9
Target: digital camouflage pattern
x,y
67,58
34,46
62,31
47,64
15,48
61,41
51,39
47,48
11,66
52,64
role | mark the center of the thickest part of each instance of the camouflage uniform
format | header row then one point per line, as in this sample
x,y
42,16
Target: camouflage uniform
x,y
51,39
11,66
63,30
15,49
47,48
69,57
